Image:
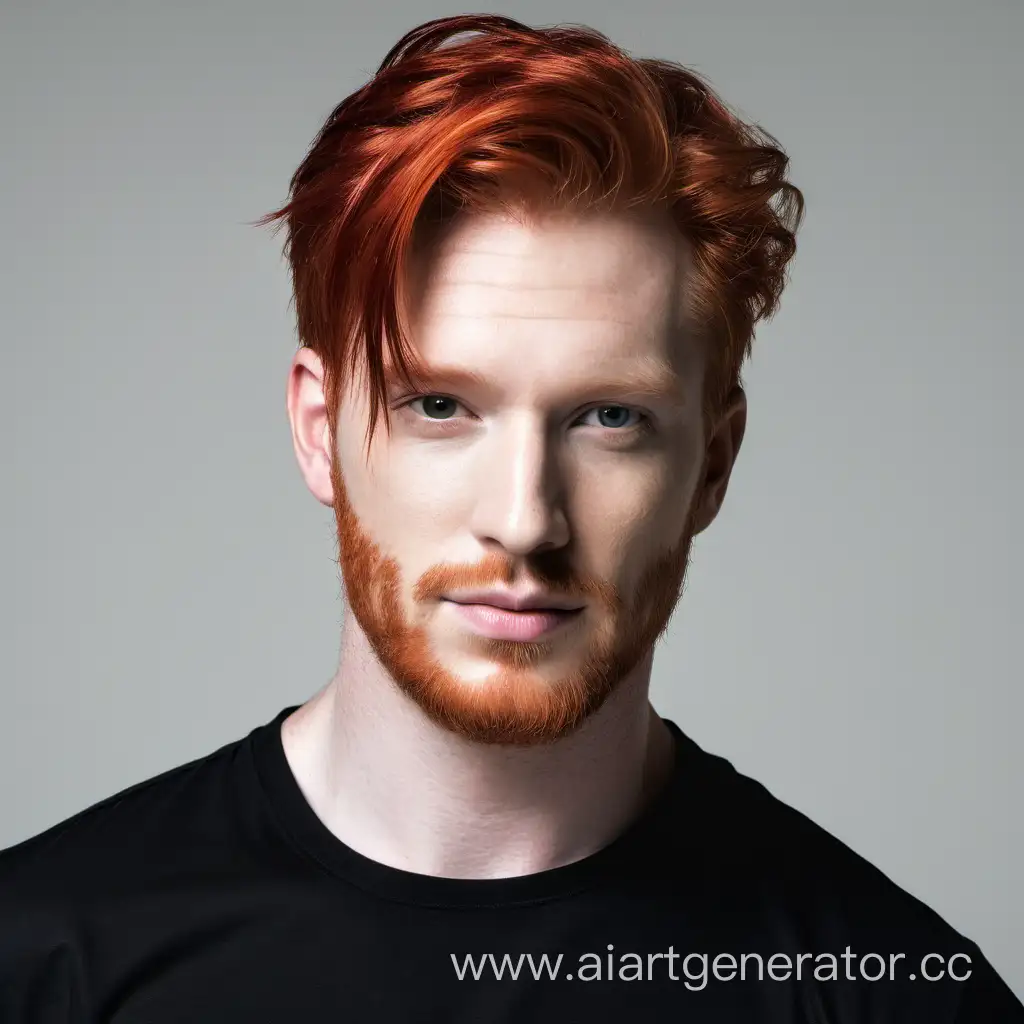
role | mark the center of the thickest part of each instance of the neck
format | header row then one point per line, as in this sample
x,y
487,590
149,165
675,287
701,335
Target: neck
x,y
400,789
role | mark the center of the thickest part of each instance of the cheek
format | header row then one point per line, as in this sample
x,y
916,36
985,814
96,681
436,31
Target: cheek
x,y
406,506
623,521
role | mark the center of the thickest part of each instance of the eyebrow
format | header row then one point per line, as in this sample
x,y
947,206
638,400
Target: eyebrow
x,y
653,380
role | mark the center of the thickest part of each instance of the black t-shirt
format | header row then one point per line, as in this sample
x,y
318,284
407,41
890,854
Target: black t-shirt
x,y
213,893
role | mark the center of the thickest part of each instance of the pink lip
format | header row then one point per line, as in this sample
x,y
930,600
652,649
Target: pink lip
x,y
499,624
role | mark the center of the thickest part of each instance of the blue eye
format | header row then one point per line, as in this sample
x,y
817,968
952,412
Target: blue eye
x,y
442,408
615,416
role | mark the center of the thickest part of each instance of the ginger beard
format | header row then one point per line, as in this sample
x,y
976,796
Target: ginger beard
x,y
514,705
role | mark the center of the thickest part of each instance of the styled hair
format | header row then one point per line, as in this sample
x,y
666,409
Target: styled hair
x,y
513,117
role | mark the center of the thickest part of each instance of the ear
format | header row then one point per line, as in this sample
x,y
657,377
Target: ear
x,y
307,414
723,445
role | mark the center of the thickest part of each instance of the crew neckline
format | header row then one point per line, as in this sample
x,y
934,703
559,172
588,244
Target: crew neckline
x,y
295,815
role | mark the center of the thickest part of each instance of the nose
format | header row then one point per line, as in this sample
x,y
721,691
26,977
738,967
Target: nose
x,y
520,491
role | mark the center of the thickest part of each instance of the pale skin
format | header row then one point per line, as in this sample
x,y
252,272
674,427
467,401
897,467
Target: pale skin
x,y
554,315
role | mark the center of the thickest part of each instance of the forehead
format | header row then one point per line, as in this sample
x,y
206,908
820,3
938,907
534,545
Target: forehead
x,y
554,293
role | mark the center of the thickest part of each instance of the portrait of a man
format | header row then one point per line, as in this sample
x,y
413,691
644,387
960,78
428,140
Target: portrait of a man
x,y
527,270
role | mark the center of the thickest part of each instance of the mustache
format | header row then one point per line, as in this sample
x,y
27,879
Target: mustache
x,y
551,572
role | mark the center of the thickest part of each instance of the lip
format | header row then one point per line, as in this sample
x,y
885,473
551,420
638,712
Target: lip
x,y
533,600
496,623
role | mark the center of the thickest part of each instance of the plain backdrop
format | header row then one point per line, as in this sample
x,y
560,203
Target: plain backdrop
x,y
848,635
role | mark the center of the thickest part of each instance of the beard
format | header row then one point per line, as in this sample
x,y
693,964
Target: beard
x,y
516,704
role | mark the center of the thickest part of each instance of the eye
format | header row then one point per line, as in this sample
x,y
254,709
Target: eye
x,y
436,407
616,417
441,409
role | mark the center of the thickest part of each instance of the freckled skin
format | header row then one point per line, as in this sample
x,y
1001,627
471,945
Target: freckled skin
x,y
522,479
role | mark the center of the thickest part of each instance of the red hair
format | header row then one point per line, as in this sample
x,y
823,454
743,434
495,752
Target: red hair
x,y
510,116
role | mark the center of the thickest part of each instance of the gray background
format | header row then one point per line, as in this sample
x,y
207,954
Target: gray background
x,y
846,636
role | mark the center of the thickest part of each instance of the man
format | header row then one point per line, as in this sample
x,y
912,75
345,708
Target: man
x,y
540,262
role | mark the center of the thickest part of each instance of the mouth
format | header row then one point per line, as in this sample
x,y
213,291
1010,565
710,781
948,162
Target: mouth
x,y
504,624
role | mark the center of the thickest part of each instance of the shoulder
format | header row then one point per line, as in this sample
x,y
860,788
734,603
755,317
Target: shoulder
x,y
64,891
767,863
103,847
765,850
